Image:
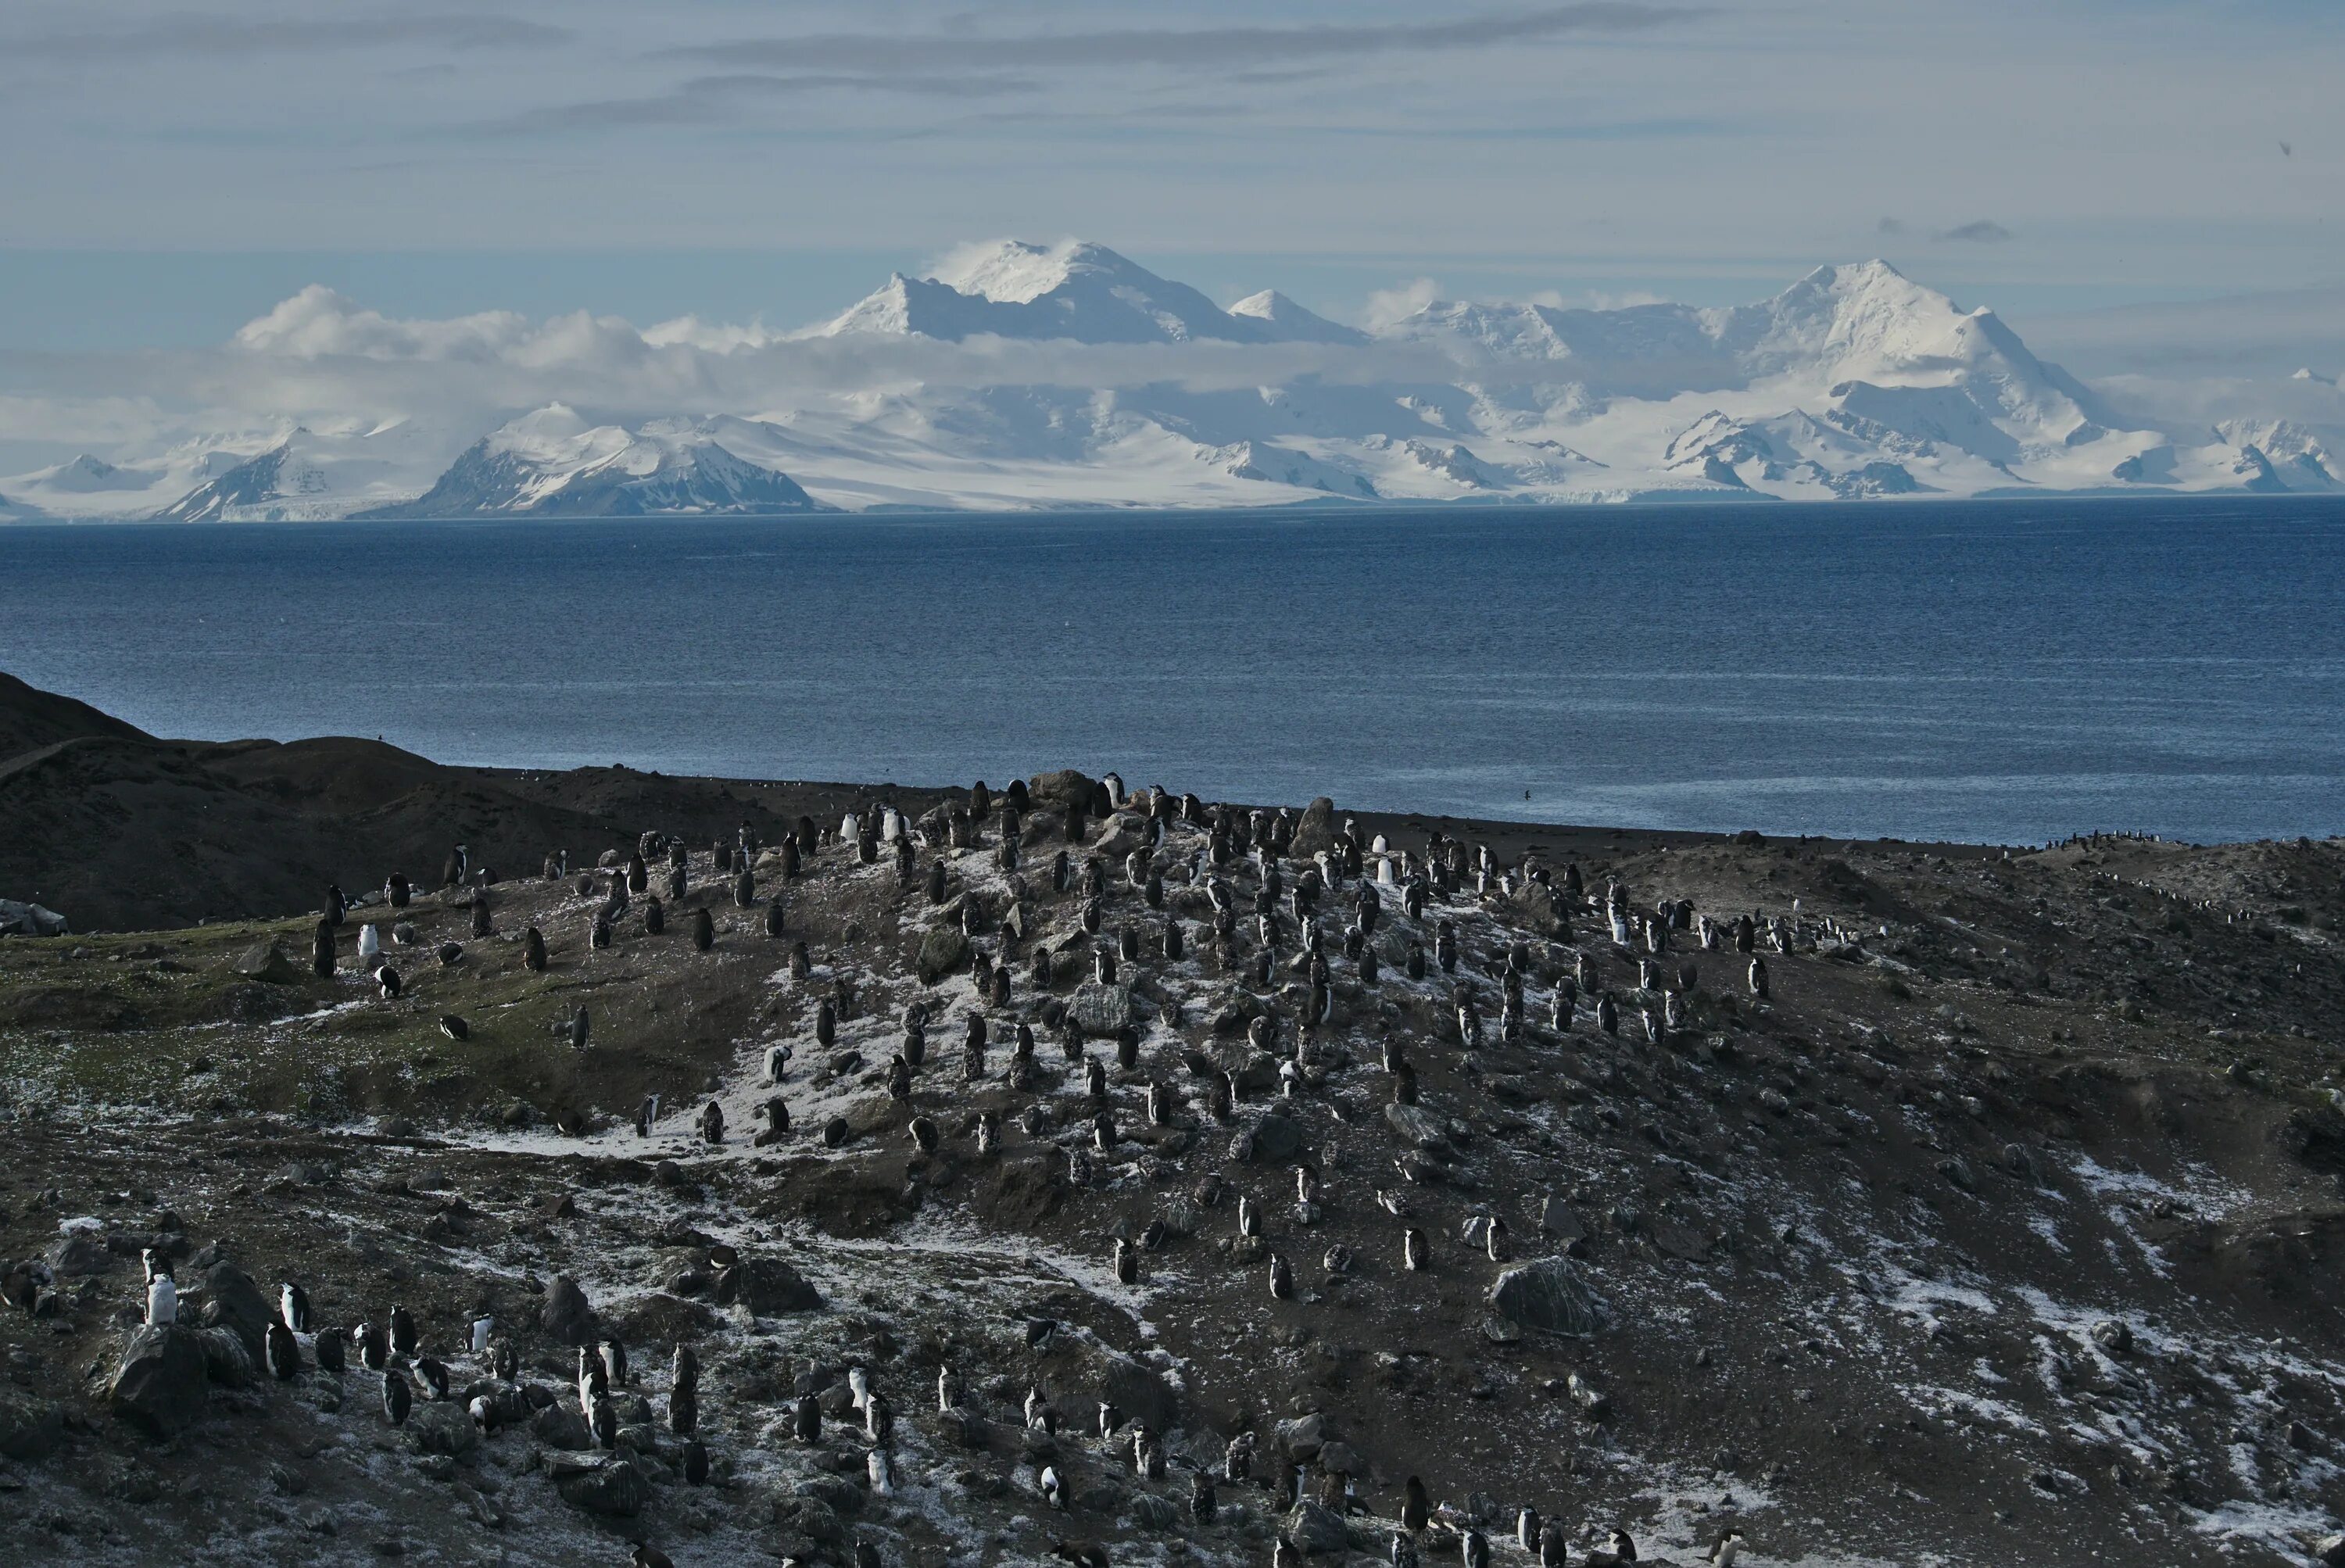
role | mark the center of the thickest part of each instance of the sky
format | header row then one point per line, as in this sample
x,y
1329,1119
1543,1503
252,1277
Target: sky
x,y
176,168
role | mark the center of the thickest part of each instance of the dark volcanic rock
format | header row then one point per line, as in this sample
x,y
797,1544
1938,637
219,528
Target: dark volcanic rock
x,y
766,1286
231,1300
1547,1295
617,1488
566,1316
158,1384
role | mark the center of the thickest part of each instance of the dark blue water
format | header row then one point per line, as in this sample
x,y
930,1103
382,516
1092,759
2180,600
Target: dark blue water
x,y
2000,672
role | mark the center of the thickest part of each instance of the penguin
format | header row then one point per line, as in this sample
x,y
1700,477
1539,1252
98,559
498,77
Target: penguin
x,y
777,1062
337,907
1495,1240
1040,1416
581,1026
328,1346
294,1307
482,1327
374,1347
882,1474
925,1136
1475,1549
696,1453
1623,1551
807,1420
646,1115
1759,978
1725,1549
603,1422
1202,1503
321,950
777,1116
532,951
1054,1491
1404,1550
1554,1547
432,1376
615,1362
684,1369
397,1399
1526,1528
403,1333
1281,1279
454,1027
1249,1217
162,1300
704,930
949,1390
1414,1255
1127,1263
712,1123
387,978
1415,1511
646,1555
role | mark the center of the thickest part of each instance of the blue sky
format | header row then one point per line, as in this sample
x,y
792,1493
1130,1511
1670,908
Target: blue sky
x,y
176,167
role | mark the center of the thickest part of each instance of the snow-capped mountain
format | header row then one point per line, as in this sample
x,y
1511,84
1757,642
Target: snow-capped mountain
x,y
1074,292
552,464
1023,375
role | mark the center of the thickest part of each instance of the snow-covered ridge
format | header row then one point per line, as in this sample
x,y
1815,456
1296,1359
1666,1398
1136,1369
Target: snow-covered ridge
x,y
1022,375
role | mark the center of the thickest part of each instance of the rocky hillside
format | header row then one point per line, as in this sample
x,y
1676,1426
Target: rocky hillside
x,y
1115,1176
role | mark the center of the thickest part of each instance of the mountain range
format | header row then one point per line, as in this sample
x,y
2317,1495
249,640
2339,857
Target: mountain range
x,y
1855,381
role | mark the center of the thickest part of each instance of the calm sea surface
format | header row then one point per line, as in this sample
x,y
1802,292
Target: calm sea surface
x,y
2003,672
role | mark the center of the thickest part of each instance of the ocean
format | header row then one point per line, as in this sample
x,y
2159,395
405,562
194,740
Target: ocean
x,y
2001,672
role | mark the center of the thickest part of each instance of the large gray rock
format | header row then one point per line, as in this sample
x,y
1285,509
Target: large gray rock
x,y
1315,830
83,1253
562,1427
766,1286
30,1429
1277,1138
1317,1530
226,1360
232,1301
1105,1009
1140,1393
1417,1125
567,1317
158,1384
617,1488
18,919
1549,1296
267,962
942,950
445,1429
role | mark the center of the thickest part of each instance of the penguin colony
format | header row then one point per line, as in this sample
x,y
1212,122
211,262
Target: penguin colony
x,y
1308,938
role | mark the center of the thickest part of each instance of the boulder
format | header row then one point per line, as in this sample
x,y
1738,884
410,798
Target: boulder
x,y
1300,1439
1314,830
1105,1009
1548,1296
267,962
1059,789
561,1427
942,950
30,1429
1277,1138
1140,1393
441,1428
1417,1125
17,919
231,1300
1151,1512
566,1317
766,1286
158,1384
1317,1530
616,1488
226,1360
84,1252
841,1495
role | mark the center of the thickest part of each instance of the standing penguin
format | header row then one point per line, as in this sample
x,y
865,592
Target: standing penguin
x,y
321,950
294,1307
403,1333
1759,978
1414,1254
398,1398
1415,1510
162,1300
704,930
280,1351
1281,1279
532,951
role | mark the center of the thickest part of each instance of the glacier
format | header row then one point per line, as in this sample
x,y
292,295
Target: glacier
x,y
1021,376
